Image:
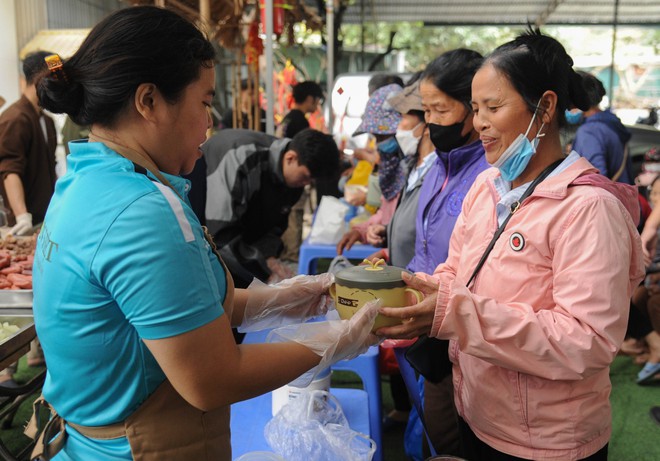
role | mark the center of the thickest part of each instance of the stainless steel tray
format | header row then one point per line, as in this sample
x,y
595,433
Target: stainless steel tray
x,y
18,343
18,299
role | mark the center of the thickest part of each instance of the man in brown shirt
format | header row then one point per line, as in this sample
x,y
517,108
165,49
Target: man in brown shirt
x,y
27,153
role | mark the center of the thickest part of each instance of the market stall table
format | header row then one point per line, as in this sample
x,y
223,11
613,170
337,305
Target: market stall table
x,y
249,418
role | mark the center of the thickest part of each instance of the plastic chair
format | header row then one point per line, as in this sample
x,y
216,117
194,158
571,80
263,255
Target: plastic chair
x,y
366,367
309,253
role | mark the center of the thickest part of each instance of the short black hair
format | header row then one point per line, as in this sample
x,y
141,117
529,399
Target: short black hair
x,y
302,90
34,64
381,80
317,151
593,87
535,63
452,73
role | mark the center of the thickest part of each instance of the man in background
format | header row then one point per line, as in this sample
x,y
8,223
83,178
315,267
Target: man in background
x,y
252,180
307,96
27,152
27,168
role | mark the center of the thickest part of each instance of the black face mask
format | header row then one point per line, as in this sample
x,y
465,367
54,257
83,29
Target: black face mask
x,y
446,138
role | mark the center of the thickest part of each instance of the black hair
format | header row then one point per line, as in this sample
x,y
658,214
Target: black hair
x,y
593,87
317,151
452,73
132,46
381,80
34,64
302,90
535,63
244,84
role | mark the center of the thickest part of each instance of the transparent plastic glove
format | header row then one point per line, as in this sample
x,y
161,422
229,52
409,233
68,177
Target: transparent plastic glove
x,y
293,300
332,340
23,224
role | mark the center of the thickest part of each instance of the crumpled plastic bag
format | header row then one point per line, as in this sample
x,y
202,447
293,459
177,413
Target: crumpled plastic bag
x,y
313,427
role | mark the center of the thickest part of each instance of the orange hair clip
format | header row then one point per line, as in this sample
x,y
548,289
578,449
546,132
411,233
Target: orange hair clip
x,y
55,66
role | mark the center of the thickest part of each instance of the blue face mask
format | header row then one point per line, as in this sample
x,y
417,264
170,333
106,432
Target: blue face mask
x,y
573,118
516,157
389,146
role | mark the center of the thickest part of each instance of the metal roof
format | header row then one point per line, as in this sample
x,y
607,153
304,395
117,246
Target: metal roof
x,y
505,12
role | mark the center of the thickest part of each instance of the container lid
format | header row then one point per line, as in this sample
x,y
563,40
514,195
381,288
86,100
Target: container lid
x,y
371,276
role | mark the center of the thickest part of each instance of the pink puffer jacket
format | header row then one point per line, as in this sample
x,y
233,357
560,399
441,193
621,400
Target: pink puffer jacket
x,y
533,338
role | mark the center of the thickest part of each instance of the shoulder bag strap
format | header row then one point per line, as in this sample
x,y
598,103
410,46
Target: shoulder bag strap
x,y
619,172
514,207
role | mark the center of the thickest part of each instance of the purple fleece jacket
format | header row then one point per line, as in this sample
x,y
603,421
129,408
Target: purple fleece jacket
x,y
440,202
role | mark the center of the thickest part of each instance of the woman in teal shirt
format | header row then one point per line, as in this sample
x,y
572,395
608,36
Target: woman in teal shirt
x,y
133,308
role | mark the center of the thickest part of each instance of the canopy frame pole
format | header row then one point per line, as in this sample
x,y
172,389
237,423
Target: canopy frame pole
x,y
270,94
611,79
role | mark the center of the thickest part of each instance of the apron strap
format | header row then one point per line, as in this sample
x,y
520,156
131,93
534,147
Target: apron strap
x,y
51,437
46,446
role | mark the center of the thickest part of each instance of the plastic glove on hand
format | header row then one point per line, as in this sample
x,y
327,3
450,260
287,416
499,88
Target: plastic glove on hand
x,y
332,340
293,300
23,225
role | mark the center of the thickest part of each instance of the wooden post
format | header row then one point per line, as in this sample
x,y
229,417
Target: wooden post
x,y
205,16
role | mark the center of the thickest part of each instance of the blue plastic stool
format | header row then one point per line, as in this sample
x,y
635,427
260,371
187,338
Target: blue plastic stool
x,y
366,367
309,253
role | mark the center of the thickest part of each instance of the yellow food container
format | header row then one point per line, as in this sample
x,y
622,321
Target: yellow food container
x,y
356,286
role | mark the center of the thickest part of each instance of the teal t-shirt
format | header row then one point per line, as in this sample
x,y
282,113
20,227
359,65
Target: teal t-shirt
x,y
120,258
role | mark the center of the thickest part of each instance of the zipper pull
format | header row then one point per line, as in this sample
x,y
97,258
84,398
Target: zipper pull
x,y
514,206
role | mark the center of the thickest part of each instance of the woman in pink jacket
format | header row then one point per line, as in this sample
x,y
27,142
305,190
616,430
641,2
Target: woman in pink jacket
x,y
534,328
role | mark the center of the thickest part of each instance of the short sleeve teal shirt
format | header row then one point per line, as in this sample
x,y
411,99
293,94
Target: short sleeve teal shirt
x,y
120,258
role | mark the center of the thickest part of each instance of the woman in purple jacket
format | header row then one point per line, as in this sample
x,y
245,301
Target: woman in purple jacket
x,y
446,95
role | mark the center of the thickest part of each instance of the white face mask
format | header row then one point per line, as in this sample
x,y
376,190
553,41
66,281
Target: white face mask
x,y
408,142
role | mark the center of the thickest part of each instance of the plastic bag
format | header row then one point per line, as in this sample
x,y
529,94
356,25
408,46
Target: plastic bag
x,y
328,226
313,426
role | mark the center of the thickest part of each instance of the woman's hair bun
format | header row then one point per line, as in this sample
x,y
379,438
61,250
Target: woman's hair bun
x,y
61,96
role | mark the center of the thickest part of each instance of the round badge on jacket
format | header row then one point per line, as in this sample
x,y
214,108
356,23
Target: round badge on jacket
x,y
517,241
